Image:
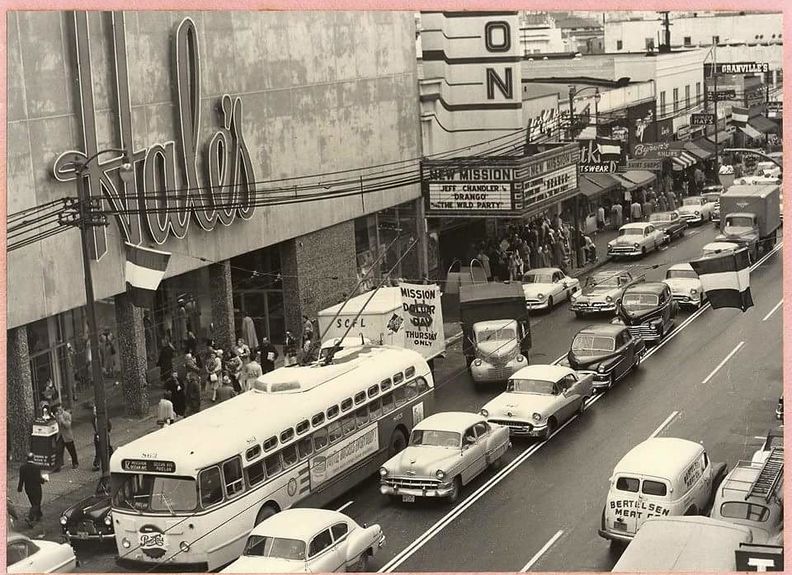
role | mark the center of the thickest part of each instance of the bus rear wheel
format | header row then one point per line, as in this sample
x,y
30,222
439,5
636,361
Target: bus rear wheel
x,y
398,442
265,513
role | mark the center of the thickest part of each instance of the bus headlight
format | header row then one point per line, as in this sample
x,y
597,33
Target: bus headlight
x,y
537,416
477,362
125,543
484,413
693,291
64,520
383,472
108,520
184,546
440,474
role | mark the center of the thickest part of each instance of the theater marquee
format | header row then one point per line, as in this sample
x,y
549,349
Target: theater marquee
x,y
510,188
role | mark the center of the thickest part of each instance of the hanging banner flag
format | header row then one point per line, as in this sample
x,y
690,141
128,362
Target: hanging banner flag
x,y
423,318
144,270
739,116
725,278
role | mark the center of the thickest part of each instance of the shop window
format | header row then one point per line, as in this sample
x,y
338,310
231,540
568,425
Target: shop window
x,y
619,44
687,96
676,99
687,41
650,44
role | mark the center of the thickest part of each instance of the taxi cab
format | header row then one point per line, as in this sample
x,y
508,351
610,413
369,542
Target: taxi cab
x,y
660,477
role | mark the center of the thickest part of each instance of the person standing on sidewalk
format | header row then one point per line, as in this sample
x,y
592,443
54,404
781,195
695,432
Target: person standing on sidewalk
x,y
166,414
289,349
269,354
177,394
31,480
636,214
65,439
193,385
307,334
165,361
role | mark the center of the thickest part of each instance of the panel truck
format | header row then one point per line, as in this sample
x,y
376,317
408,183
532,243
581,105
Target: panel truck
x,y
496,334
750,217
386,320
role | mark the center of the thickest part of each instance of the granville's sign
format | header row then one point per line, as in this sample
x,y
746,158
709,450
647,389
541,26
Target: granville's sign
x,y
157,201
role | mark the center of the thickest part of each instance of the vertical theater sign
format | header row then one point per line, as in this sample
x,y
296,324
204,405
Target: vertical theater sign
x,y
167,191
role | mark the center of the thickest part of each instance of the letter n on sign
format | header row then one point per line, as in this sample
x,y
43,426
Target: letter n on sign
x,y
505,85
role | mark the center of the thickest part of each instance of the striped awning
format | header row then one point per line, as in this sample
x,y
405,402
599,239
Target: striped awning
x,y
683,162
763,124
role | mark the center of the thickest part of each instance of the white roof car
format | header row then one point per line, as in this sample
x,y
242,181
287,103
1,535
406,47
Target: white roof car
x,y
658,456
23,555
545,287
298,540
449,421
685,285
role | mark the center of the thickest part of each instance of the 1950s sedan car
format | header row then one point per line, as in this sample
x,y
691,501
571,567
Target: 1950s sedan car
x,y
695,209
686,288
446,451
545,287
648,310
636,239
23,555
609,350
601,292
539,398
308,541
89,519
669,223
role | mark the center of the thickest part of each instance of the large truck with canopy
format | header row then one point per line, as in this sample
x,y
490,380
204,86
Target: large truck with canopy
x,y
750,217
496,333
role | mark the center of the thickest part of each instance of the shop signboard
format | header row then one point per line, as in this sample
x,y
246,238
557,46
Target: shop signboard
x,y
702,119
640,123
665,130
650,165
742,68
722,95
775,109
471,189
599,156
657,150
548,176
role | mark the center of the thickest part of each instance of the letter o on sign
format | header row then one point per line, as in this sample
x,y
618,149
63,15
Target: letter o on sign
x,y
497,36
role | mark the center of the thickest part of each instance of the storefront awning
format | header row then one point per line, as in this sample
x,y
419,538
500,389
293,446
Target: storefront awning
x,y
683,162
763,124
724,139
697,151
634,178
752,132
594,184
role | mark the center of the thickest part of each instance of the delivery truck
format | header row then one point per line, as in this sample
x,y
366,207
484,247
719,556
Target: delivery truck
x,y
750,217
496,333
385,321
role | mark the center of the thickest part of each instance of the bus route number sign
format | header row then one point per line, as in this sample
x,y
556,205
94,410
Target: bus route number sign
x,y
148,466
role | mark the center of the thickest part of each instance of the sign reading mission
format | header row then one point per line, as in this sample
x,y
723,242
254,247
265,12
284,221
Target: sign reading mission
x,y
477,189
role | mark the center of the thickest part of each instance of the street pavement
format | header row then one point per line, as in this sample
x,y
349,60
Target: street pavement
x,y
550,498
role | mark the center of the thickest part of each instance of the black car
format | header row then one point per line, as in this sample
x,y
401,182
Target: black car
x,y
670,223
648,310
90,519
609,350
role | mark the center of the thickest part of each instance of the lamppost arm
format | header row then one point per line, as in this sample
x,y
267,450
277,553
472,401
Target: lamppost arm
x,y
755,153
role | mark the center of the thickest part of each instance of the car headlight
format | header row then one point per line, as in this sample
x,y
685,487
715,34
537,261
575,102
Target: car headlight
x,y
540,295
601,369
537,417
64,520
636,245
608,298
574,297
184,546
477,362
610,246
697,212
520,358
125,543
440,474
484,413
383,472
108,520
693,291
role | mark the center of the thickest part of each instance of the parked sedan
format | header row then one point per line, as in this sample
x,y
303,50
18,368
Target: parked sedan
x,y
23,555
601,291
610,350
308,541
670,224
636,239
89,519
539,398
695,209
686,288
446,451
545,287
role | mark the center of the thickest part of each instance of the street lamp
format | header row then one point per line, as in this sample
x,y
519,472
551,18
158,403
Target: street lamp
x,y
78,163
573,92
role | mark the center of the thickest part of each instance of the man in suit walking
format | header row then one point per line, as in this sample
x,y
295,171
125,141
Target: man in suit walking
x,y
30,479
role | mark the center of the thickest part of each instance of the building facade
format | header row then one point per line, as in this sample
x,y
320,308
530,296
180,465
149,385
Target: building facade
x,y
247,146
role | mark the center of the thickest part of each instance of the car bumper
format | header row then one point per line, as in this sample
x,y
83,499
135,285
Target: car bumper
x,y
691,219
75,536
520,428
443,490
537,304
686,299
624,252
593,307
779,414
615,536
601,380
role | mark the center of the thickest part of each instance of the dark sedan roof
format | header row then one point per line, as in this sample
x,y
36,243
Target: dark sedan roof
x,y
611,329
647,287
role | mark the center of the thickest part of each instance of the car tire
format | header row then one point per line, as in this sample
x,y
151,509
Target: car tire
x,y
582,407
637,363
551,427
361,565
456,485
550,303
692,510
643,251
398,442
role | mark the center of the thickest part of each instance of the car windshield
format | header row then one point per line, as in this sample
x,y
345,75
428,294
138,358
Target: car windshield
x,y
740,222
605,279
435,438
661,217
682,274
640,300
585,342
262,546
711,196
691,202
154,493
631,232
495,334
537,278
530,386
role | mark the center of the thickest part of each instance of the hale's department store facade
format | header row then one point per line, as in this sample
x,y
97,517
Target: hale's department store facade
x,y
187,95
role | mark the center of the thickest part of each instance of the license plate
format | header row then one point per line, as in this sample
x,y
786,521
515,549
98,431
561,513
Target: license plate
x,y
408,498
620,526
82,534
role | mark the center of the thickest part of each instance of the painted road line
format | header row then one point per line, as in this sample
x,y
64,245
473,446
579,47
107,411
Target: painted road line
x,y
772,311
542,551
345,505
725,359
663,425
438,526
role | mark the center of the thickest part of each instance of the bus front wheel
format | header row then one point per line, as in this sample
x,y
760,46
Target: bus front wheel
x,y
265,513
398,442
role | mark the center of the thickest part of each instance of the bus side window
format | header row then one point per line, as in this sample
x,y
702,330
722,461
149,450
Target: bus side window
x,y
334,431
399,396
375,409
398,378
385,385
289,456
361,415
302,427
422,384
211,486
318,419
332,412
255,473
411,389
305,447
373,391
348,423
409,372
360,397
271,443
346,405
273,464
387,403
232,473
320,439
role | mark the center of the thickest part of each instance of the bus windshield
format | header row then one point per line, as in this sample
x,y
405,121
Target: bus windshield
x,y
278,547
434,438
154,493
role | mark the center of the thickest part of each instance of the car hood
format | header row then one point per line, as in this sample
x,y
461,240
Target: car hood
x,y
638,316
93,507
679,285
596,292
496,347
422,460
522,405
625,241
689,209
532,290
589,361
265,565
